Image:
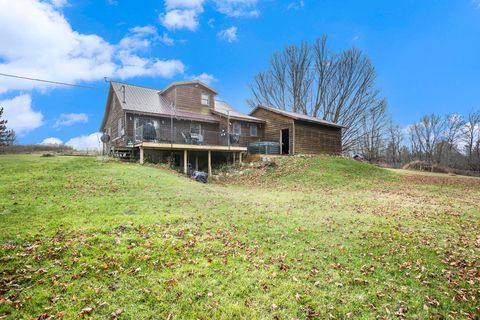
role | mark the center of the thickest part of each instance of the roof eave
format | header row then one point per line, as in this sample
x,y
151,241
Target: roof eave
x,y
166,115
238,118
294,117
180,83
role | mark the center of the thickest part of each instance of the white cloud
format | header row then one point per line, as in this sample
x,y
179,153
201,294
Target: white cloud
x,y
69,119
296,5
229,34
180,19
192,4
51,141
165,39
238,8
86,142
59,3
204,77
42,44
134,66
20,115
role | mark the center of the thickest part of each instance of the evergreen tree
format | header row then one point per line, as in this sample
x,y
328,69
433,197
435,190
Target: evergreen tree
x,y
6,136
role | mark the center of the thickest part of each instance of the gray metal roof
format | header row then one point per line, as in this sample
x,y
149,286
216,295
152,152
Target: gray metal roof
x,y
298,116
224,109
147,100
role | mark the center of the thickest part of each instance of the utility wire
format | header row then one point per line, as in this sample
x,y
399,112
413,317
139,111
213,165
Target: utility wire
x,y
47,81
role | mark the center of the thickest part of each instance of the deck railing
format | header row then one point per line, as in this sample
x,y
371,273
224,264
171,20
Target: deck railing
x,y
149,133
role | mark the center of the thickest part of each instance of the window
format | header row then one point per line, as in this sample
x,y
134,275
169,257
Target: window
x,y
205,99
119,127
146,129
253,130
195,127
237,128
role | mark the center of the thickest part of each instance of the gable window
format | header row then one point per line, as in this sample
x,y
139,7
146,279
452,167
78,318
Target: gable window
x,y
237,128
253,130
119,127
196,128
205,99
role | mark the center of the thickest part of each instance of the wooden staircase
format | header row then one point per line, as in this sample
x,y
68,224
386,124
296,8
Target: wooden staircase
x,y
124,153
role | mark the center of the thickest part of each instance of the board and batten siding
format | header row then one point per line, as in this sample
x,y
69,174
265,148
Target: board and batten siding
x,y
274,123
189,98
111,125
311,138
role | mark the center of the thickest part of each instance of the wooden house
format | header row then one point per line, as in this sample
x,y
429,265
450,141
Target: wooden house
x,y
187,123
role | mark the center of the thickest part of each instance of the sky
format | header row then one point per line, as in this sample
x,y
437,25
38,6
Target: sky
x,y
426,53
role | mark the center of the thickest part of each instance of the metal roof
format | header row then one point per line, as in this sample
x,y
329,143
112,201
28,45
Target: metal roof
x,y
298,116
150,101
181,83
224,109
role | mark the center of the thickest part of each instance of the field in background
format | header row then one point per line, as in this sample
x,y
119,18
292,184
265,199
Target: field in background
x,y
319,237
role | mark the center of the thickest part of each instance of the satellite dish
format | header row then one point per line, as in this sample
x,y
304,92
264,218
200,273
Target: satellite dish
x,y
105,138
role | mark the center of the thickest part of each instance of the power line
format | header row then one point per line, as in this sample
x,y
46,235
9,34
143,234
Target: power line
x,y
47,81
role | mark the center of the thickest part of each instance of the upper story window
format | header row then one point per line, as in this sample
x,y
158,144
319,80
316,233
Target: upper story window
x,y
253,130
237,128
205,99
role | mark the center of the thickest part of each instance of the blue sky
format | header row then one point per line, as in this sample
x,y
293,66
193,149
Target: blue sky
x,y
427,53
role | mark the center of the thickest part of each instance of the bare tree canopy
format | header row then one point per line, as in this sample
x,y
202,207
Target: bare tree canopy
x,y
314,80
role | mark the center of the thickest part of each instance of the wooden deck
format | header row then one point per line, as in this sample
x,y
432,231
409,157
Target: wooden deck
x,y
189,147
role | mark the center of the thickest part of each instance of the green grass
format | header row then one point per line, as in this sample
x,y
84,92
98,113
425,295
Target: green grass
x,y
319,237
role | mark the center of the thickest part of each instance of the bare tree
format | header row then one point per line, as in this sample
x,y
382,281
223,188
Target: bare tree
x,y
394,137
371,142
338,87
426,135
448,147
471,137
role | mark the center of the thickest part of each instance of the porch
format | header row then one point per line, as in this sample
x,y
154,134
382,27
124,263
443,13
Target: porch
x,y
236,152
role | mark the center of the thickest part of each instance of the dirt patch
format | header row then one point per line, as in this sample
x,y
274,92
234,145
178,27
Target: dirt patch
x,y
446,181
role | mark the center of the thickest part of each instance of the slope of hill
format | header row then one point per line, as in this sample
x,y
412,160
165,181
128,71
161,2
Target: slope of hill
x,y
310,238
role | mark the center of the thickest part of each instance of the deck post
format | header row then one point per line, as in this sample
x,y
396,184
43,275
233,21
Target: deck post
x,y
185,160
209,163
141,155
234,157
196,161
239,158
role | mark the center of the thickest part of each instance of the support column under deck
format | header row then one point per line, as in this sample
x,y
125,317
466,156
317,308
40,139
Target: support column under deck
x,y
141,155
209,163
185,161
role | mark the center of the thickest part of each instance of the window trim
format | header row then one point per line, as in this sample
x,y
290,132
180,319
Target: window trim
x,y
205,97
253,125
119,127
239,128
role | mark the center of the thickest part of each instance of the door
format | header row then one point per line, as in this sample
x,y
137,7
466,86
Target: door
x,y
285,141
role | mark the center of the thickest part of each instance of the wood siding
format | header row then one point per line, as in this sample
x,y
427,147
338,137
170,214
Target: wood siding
x,y
313,138
274,124
305,137
116,112
189,98
244,129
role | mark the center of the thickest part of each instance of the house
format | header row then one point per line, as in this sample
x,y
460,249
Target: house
x,y
188,125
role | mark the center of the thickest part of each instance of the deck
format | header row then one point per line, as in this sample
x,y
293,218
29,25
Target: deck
x,y
191,147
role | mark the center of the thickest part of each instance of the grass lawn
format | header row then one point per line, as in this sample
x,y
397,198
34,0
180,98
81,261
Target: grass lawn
x,y
313,238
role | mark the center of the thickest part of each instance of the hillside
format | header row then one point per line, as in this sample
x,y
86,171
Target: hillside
x,y
318,237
